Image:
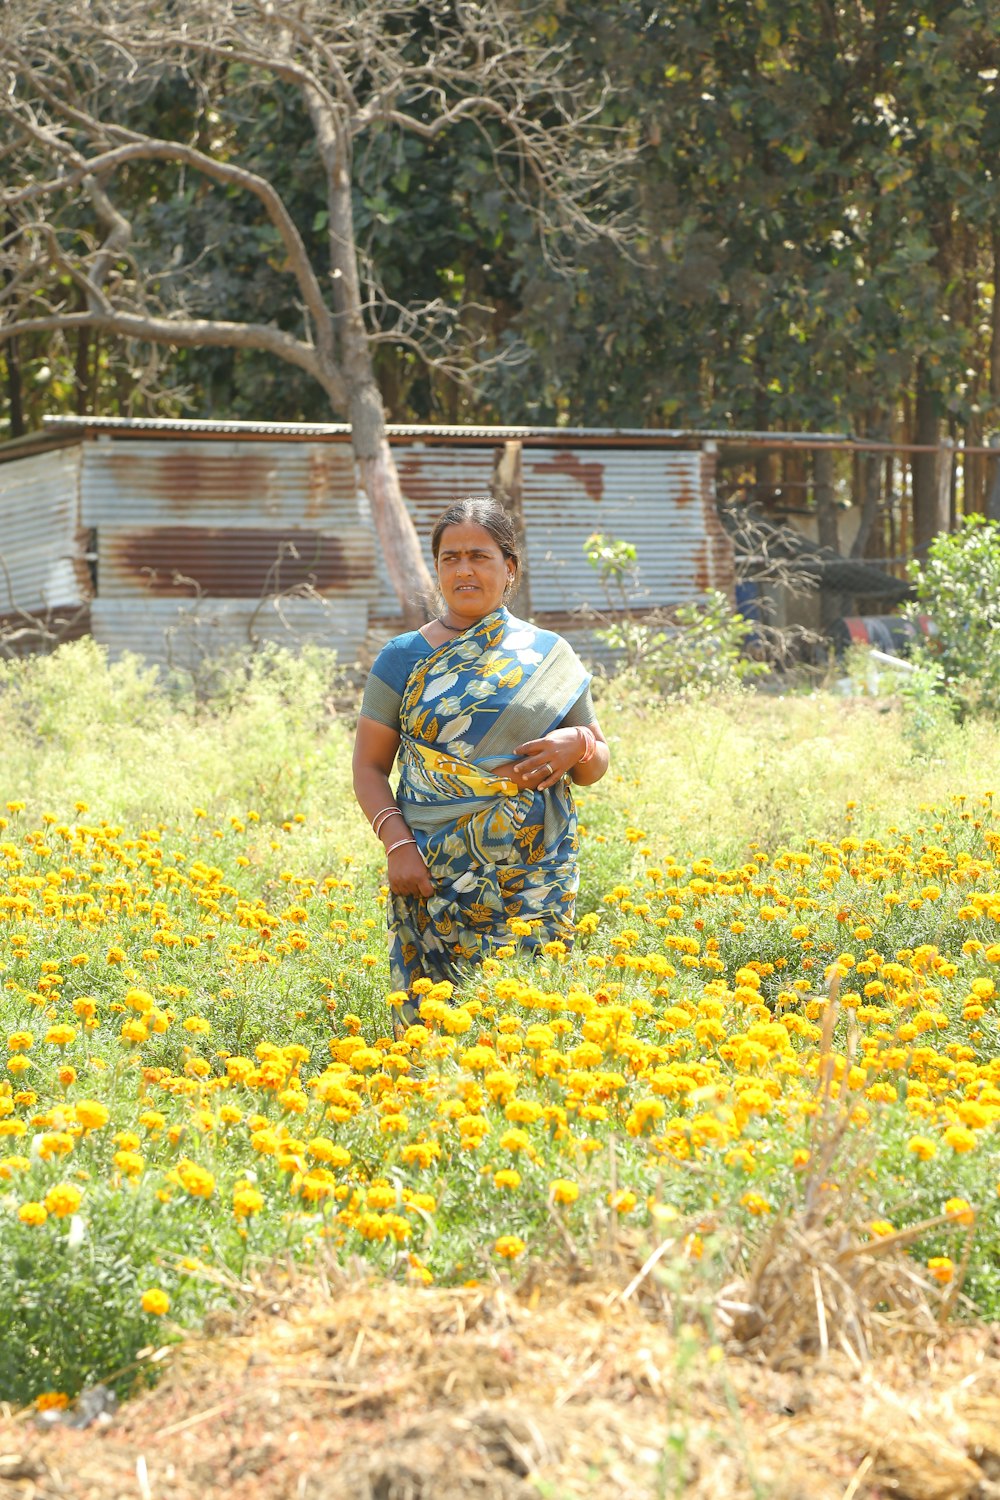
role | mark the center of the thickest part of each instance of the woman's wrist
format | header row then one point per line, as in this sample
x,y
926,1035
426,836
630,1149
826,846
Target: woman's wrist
x,y
589,744
385,824
399,844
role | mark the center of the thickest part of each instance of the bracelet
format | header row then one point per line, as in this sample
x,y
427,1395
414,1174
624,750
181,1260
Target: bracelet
x,y
383,817
375,816
399,844
589,744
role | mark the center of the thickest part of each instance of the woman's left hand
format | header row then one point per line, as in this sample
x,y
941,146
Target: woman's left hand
x,y
541,763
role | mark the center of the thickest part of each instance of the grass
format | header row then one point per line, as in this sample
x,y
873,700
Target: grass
x,y
200,1073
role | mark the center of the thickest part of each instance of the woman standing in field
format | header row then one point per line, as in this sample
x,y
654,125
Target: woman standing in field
x,y
491,718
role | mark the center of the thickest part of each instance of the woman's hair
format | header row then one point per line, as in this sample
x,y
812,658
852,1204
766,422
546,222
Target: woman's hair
x,y
488,513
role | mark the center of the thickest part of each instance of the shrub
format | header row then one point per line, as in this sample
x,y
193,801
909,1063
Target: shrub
x,y
959,588
688,651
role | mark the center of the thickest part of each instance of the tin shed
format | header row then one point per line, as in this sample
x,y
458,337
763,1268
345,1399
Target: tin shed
x,y
178,539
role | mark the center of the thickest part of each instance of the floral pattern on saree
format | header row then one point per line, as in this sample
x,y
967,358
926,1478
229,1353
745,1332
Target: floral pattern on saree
x,y
494,852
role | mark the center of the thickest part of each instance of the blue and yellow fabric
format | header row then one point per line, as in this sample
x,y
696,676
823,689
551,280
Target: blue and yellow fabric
x,y
495,853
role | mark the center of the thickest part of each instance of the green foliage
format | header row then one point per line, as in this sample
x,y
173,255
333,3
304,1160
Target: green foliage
x,y
691,650
959,588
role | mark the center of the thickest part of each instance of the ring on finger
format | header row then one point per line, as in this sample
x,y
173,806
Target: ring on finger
x,y
546,769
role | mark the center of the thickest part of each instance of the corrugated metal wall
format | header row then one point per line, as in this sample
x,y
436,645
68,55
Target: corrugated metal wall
x,y
206,540
660,499
44,580
231,542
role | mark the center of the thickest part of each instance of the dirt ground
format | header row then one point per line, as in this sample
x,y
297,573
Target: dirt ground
x,y
349,1390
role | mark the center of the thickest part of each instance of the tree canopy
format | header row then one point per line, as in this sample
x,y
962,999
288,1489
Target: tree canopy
x,y
803,194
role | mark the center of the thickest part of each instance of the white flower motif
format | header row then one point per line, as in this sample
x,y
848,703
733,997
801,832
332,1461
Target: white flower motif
x,y
530,658
449,705
435,689
454,726
518,639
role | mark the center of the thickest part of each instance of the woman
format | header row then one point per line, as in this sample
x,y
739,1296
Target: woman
x,y
489,717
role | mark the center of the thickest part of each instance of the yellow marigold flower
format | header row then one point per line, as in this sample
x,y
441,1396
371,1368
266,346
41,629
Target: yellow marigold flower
x,y
755,1204
196,1180
622,1200
66,1076
922,1146
564,1191
961,1210
20,1041
246,1200
942,1268
63,1199
523,1112
515,1140
32,1213
155,1302
507,1177
129,1163
91,1113
510,1246
880,1228
60,1035
197,1025
960,1138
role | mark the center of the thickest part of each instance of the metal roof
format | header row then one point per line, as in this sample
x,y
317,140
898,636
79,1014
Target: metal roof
x,y
430,432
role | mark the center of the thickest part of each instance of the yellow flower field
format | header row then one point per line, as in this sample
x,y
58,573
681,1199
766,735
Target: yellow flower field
x,y
200,1067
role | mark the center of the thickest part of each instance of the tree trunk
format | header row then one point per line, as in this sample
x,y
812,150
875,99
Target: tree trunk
x,y
831,603
508,489
377,470
929,516
396,532
992,506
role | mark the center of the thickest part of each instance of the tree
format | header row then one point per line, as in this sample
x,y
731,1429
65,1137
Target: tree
x,y
123,118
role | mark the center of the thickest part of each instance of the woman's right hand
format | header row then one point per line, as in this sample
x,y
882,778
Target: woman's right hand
x,y
408,875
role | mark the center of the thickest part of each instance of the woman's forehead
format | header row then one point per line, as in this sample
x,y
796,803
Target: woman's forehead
x,y
467,536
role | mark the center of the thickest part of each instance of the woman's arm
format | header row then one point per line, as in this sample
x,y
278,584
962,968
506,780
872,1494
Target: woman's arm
x,y
375,747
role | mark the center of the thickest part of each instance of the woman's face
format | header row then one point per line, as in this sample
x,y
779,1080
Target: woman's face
x,y
472,572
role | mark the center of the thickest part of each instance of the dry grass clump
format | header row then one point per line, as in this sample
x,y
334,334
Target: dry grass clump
x,y
820,1282
354,1389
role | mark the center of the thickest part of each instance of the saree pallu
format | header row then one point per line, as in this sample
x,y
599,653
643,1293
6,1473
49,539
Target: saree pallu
x,y
495,853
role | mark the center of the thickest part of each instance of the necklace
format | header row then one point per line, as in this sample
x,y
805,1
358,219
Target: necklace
x,y
456,628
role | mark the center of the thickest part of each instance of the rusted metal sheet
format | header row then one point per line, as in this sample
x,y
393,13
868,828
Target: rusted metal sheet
x,y
43,553
230,562
188,634
268,539
184,480
661,500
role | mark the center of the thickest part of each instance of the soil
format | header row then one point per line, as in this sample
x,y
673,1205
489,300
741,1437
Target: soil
x,y
327,1388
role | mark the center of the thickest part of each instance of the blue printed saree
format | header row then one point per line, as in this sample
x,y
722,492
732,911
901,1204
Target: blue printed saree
x,y
495,853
